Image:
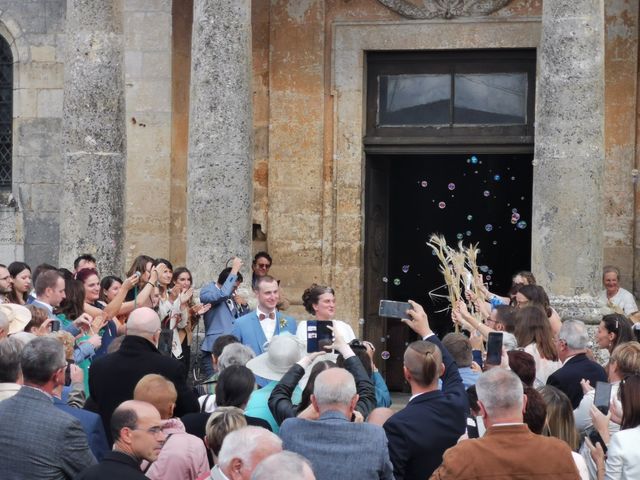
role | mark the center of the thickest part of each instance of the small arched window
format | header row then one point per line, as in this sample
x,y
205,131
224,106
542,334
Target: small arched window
x,y
6,113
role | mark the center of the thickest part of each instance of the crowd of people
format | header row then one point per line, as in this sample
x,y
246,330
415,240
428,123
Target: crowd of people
x,y
97,382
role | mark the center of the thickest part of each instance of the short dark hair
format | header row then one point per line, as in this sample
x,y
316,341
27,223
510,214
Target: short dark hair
x,y
234,387
535,414
47,279
524,365
221,342
43,267
505,315
261,254
10,350
122,418
264,279
460,348
224,274
164,261
105,284
87,257
40,358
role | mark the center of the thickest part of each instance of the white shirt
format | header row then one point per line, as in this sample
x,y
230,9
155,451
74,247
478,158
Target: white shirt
x,y
623,456
544,367
623,299
268,324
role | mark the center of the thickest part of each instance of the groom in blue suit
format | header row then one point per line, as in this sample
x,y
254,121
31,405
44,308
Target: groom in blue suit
x,y
258,327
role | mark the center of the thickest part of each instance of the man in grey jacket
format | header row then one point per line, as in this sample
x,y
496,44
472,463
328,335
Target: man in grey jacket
x,y
336,447
37,440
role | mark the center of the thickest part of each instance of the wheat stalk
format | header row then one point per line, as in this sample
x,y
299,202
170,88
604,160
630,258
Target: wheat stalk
x,y
447,257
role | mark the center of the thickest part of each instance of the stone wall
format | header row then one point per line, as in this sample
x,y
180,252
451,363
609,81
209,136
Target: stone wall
x,y
35,31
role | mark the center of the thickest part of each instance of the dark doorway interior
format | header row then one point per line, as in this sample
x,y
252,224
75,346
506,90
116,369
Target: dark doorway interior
x,y
477,198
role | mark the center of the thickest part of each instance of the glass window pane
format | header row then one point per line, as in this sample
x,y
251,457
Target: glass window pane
x,y
490,98
414,100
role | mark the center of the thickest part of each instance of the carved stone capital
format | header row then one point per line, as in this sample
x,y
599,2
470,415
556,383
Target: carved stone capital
x,y
444,8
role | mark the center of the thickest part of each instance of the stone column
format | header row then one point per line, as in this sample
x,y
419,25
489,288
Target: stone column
x,y
91,213
567,243
220,165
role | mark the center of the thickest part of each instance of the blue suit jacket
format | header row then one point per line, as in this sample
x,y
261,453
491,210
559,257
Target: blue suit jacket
x,y
420,433
338,448
219,320
247,329
92,426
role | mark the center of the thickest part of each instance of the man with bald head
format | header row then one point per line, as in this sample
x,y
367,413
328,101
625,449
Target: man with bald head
x,y
137,436
114,377
336,447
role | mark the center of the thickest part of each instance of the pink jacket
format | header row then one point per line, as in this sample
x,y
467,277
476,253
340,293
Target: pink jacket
x,y
183,456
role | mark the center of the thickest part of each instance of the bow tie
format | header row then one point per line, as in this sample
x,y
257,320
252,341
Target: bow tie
x,y
262,316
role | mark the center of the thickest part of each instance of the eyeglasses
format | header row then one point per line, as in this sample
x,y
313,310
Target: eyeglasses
x,y
152,430
263,265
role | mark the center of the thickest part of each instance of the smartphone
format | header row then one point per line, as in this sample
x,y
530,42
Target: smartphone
x,y
602,397
67,375
494,348
393,309
319,336
137,274
55,325
636,331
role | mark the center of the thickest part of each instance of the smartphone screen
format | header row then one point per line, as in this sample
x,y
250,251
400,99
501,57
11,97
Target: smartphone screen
x,y
494,348
602,397
55,325
393,309
318,336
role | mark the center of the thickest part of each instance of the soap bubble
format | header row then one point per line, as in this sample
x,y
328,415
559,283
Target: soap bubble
x,y
423,183
490,272
487,278
396,281
442,205
486,193
468,232
521,198
385,355
475,171
496,178
469,217
514,220
514,210
495,242
483,268
522,225
451,186
385,279
405,268
513,178
474,159
361,321
459,236
488,227
433,253
468,160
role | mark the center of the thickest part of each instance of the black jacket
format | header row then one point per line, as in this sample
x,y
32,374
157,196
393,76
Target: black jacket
x,y
113,378
114,465
280,399
567,378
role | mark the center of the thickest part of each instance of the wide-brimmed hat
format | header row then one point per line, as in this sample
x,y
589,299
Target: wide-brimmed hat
x,y
283,351
18,316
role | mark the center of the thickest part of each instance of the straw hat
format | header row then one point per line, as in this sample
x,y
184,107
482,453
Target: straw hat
x,y
283,351
18,316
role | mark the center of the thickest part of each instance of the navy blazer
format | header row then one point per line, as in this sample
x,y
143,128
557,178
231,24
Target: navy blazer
x,y
420,433
338,448
567,378
92,426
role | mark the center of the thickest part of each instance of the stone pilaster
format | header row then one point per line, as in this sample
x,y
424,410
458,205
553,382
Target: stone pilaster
x,y
92,210
567,244
220,165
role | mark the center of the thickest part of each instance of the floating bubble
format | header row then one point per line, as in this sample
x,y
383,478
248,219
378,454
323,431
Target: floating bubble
x,y
488,227
514,210
490,283
522,225
423,183
514,220
468,232
521,198
385,279
405,268
495,242
361,321
480,162
483,268
433,252
469,217
459,236
474,159
468,160
385,355
488,277
442,205
475,171
486,193
490,272
451,186
496,178
452,196
396,281
513,178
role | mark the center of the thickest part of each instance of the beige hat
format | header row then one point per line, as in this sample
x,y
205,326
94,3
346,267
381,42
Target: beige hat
x,y
283,351
18,316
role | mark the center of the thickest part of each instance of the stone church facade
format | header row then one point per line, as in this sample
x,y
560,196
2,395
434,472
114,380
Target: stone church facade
x,y
200,129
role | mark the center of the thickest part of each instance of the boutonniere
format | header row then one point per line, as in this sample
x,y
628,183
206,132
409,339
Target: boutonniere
x,y
283,322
